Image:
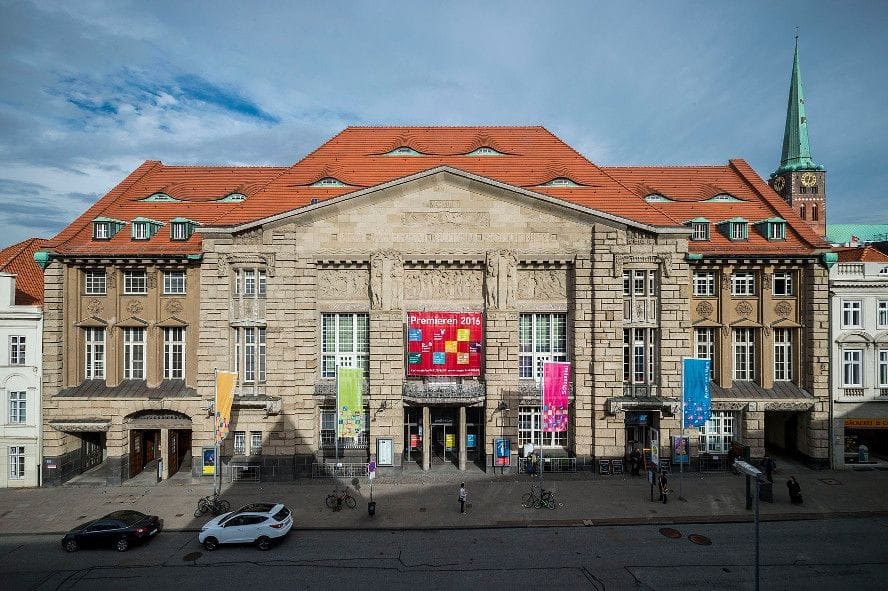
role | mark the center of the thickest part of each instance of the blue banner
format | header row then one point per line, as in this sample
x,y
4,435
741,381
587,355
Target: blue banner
x,y
695,386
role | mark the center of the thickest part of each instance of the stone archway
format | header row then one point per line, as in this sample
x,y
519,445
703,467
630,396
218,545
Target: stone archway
x,y
158,438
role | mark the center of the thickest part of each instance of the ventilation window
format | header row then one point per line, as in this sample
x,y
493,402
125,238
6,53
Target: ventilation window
x,y
561,182
657,198
329,182
485,151
724,198
233,198
403,151
160,197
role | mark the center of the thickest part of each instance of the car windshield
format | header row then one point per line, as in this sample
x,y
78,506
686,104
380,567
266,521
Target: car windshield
x,y
282,514
128,517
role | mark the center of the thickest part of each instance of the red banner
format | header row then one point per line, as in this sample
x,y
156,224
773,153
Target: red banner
x,y
444,343
556,387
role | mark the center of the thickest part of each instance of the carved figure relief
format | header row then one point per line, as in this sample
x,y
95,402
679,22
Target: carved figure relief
x,y
250,237
442,284
95,307
265,260
501,282
174,306
152,279
704,309
542,284
342,284
386,280
744,309
766,281
783,309
112,278
134,307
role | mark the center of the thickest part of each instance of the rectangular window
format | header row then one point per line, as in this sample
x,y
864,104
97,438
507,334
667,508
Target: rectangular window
x,y
101,231
255,443
250,354
743,284
639,353
704,283
783,354
16,462
174,282
240,443
179,231
328,432
529,429
95,283
704,347
776,231
17,350
18,408
883,313
250,282
852,368
701,231
345,342
782,284
541,338
738,231
883,368
718,432
134,353
140,231
174,353
95,353
851,315
640,293
743,342
135,282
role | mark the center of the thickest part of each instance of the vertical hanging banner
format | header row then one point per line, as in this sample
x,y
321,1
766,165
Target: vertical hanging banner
x,y
695,391
225,383
444,343
556,387
349,402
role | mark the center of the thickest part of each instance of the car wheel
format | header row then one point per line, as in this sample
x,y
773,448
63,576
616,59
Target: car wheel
x,y
211,544
71,546
263,543
122,545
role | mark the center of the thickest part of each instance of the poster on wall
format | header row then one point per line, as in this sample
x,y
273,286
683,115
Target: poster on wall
x,y
209,461
444,343
680,449
503,451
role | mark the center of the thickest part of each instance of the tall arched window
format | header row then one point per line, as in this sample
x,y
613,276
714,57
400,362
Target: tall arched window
x,y
802,211
813,212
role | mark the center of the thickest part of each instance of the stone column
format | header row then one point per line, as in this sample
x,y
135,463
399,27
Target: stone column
x,y
461,444
165,452
426,438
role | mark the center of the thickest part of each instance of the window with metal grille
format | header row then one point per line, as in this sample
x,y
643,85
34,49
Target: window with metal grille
x,y
240,443
174,353
18,408
345,342
783,338
134,353
718,432
135,282
743,342
95,353
529,426
255,443
17,350
541,338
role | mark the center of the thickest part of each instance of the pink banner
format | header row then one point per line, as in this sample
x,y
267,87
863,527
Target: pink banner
x,y
556,386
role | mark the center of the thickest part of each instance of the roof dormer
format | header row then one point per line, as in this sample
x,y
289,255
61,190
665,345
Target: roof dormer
x,y
699,227
106,228
328,181
723,198
233,198
144,228
485,151
182,228
772,228
403,151
735,229
159,196
657,198
561,181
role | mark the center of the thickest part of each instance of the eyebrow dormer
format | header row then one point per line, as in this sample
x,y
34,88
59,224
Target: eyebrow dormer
x,y
328,181
403,151
561,181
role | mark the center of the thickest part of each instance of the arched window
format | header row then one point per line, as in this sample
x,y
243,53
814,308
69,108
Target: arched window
x,y
813,212
802,211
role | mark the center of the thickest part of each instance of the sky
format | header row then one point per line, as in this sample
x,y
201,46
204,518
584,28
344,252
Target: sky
x,y
91,89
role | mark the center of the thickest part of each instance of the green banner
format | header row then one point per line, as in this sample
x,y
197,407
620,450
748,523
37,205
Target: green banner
x,y
349,388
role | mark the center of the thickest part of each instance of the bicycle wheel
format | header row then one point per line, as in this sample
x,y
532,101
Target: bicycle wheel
x,y
350,502
330,501
528,500
225,506
203,506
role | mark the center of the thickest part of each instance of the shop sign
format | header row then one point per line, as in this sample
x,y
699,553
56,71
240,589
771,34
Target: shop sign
x,y
866,423
444,343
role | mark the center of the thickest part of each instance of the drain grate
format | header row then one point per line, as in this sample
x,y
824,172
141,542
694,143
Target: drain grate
x,y
670,532
700,540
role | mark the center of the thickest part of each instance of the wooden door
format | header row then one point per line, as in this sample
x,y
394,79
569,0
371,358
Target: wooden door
x,y
135,452
173,451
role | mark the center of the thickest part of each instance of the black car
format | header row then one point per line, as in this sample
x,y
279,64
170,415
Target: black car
x,y
119,529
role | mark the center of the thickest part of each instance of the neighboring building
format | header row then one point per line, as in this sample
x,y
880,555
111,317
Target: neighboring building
x,y
859,336
856,234
21,362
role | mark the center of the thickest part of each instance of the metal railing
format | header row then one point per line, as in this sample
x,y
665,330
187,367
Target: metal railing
x,y
333,470
551,464
244,473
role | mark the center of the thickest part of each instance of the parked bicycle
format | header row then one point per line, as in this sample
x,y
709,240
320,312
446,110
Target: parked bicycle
x,y
212,504
337,499
545,499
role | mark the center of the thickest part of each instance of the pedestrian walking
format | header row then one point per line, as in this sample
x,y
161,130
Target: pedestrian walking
x,y
662,483
462,498
769,465
635,461
795,491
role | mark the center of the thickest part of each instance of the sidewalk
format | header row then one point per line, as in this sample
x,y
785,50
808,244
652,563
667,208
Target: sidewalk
x,y
429,500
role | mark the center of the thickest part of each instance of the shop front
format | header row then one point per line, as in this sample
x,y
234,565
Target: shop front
x,y
865,441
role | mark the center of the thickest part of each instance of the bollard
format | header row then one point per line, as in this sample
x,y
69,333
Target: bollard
x,y
371,508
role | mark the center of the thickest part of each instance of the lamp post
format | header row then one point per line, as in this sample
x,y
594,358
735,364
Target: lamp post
x,y
756,474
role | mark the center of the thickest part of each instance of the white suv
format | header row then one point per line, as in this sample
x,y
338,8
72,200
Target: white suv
x,y
258,523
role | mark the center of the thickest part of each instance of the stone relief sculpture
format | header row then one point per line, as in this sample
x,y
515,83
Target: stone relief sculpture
x,y
442,284
342,284
490,281
542,284
386,280
501,281
377,263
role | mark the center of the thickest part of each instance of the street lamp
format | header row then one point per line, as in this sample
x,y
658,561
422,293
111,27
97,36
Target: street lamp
x,y
753,472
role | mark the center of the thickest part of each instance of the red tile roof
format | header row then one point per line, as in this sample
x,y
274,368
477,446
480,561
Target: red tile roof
x,y
529,157
864,254
18,259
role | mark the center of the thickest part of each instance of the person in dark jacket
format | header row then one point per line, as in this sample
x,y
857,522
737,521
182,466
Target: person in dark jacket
x,y
662,483
768,467
635,461
795,491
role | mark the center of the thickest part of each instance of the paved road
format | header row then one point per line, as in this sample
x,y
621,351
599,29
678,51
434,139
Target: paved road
x,y
816,554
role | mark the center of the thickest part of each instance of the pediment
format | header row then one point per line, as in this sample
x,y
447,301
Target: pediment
x,y
172,322
132,322
855,337
91,322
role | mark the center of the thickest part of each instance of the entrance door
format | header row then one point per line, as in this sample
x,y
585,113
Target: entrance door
x,y
135,456
91,449
173,451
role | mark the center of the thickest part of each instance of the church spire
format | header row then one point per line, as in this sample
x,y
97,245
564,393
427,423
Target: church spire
x,y
796,149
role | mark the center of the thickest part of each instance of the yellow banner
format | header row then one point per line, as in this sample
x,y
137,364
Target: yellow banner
x,y
225,383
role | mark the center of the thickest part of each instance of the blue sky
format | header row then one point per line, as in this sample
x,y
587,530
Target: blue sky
x,y
91,89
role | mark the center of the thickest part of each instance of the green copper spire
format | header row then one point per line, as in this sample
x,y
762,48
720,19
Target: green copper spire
x,y
796,149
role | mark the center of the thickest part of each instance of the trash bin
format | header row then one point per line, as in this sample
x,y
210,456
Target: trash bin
x,y
766,492
371,508
862,454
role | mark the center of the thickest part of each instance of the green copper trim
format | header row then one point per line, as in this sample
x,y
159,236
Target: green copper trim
x,y
194,257
829,259
42,259
233,198
694,256
160,197
796,146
